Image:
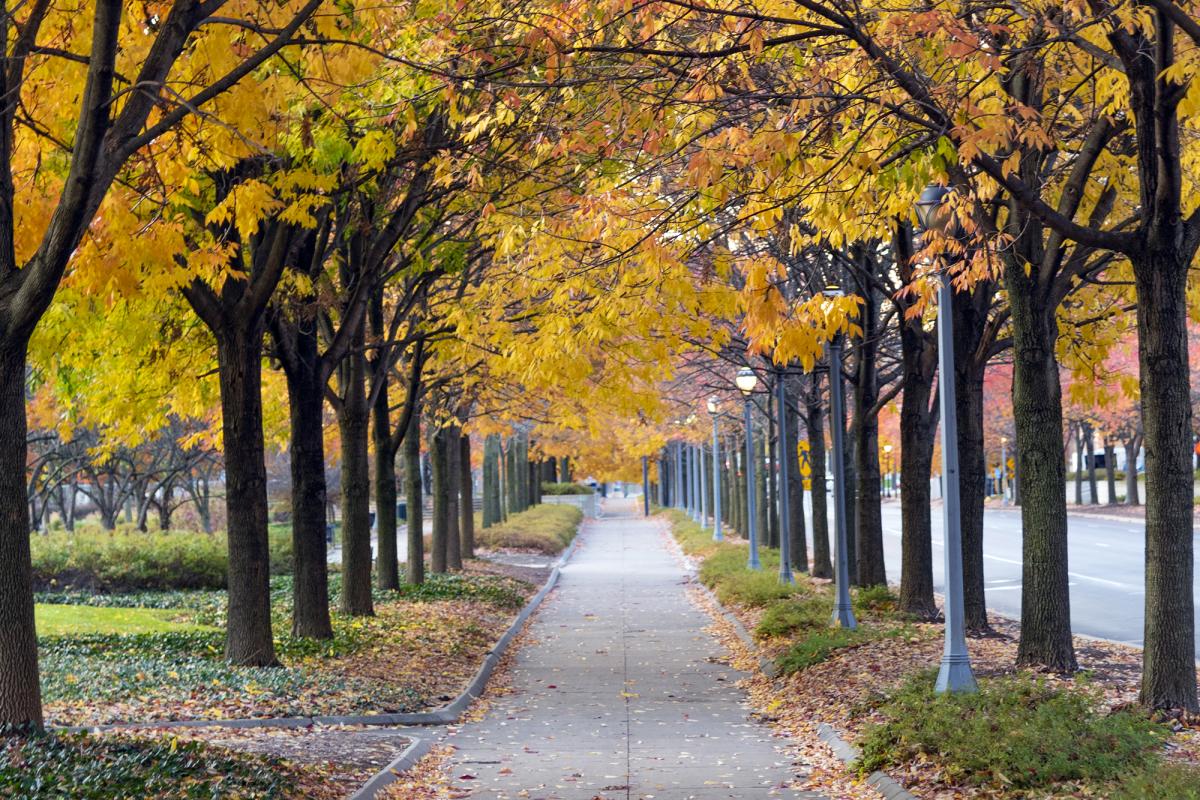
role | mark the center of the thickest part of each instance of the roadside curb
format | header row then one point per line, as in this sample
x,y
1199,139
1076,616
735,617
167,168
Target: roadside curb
x,y
887,786
388,775
848,754
446,715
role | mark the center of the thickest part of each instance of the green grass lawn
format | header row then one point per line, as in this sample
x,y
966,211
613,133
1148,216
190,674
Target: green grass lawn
x,y
66,620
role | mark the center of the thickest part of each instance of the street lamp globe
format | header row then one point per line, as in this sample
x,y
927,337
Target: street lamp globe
x,y
691,419
932,211
746,380
714,405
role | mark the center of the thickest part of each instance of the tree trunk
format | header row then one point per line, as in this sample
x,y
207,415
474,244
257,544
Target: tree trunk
x,y
491,498
1079,463
798,536
164,506
868,517
248,639
387,559
1110,470
453,476
511,490
20,689
918,428
310,568
760,488
1132,495
415,523
439,556
772,479
467,499
814,420
353,425
1037,413
851,479
970,322
1089,442
1169,659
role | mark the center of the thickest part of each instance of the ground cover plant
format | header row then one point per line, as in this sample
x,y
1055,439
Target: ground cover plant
x,y
1017,731
547,529
79,766
419,649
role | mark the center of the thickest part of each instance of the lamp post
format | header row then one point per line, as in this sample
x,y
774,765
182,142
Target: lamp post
x,y
954,674
1004,470
694,485
843,611
785,543
746,381
887,459
646,486
678,475
714,407
703,487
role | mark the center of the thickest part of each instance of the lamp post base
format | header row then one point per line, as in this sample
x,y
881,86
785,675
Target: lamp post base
x,y
843,617
785,574
754,562
955,676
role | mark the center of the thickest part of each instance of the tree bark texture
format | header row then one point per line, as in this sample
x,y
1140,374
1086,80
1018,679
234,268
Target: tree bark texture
x,y
310,569
438,558
868,515
415,523
248,639
467,499
918,428
353,425
20,688
1037,413
814,420
970,321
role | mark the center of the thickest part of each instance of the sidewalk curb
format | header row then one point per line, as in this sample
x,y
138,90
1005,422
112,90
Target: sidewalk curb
x,y
887,786
848,754
446,715
389,774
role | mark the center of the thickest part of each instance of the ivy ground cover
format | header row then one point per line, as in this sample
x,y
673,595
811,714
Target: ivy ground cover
x,y
418,651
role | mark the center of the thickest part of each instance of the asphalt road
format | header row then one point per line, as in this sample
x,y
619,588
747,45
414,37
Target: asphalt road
x,y
1106,561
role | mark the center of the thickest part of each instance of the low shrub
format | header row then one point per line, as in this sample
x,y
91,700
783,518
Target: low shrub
x,y
83,767
1162,781
129,560
788,617
817,645
566,488
1015,733
752,588
877,600
545,528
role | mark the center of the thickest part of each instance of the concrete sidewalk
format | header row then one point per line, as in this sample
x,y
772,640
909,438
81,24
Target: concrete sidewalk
x,y
621,694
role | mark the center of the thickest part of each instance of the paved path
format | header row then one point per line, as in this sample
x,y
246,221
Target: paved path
x,y
620,693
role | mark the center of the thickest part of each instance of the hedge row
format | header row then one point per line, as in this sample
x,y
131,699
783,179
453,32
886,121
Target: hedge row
x,y
124,561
